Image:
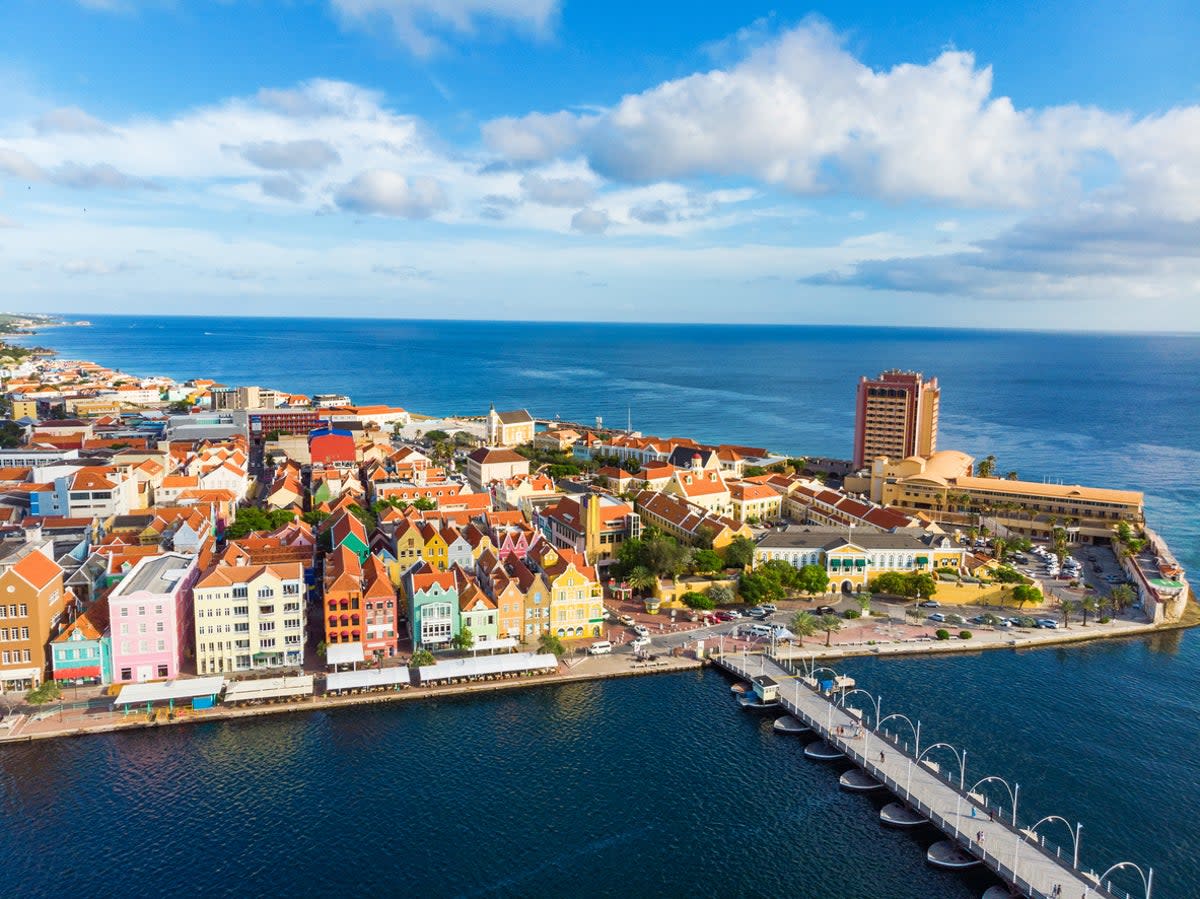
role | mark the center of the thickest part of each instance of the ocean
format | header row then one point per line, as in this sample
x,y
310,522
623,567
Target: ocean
x,y
656,786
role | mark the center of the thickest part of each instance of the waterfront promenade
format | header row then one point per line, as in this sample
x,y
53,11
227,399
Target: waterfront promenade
x,y
1003,848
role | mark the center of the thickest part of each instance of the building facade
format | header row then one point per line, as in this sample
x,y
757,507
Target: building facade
x,y
250,617
34,607
150,615
896,415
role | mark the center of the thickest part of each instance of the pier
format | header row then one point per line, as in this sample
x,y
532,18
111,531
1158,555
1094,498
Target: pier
x,y
972,831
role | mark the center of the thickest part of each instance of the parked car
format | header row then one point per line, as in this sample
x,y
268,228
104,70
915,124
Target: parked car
x,y
733,613
955,619
929,604
723,615
641,630
758,612
626,620
1048,623
938,617
825,610
601,648
640,643
769,607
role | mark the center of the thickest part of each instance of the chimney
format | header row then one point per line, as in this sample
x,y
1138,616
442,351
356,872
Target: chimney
x,y
33,533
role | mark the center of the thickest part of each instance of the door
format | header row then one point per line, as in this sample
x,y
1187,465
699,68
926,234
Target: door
x,y
144,673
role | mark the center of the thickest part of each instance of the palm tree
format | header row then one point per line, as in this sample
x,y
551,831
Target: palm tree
x,y
1001,547
551,644
987,467
804,624
863,601
829,624
1067,606
1088,604
642,579
1121,597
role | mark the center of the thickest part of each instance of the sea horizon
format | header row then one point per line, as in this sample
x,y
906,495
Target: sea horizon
x,y
69,317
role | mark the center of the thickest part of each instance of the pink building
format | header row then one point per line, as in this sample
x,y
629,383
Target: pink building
x,y
150,615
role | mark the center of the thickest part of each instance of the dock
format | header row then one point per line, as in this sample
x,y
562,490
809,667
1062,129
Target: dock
x,y
922,791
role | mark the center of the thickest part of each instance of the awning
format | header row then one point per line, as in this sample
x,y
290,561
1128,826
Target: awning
x,y
343,653
367,677
499,643
922,560
166,691
269,688
485,666
860,563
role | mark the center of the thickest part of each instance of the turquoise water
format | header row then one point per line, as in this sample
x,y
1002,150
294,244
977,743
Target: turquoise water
x,y
656,786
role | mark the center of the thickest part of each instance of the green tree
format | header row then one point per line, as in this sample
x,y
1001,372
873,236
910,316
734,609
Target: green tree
x,y
642,580
424,504
322,646
1088,605
422,658
754,471
366,516
1023,593
1121,596
863,601
813,579
436,436
740,552
314,517
1067,606
551,644
721,595
804,624
463,640
890,582
757,588
11,434
48,691
1000,548
706,561
986,467
829,624
701,601
787,576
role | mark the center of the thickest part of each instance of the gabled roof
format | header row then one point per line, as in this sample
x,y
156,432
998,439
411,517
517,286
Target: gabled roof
x,y
489,455
37,570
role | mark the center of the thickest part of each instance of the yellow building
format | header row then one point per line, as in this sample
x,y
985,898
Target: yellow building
x,y
509,428
852,560
943,485
576,596
24,409
756,502
691,524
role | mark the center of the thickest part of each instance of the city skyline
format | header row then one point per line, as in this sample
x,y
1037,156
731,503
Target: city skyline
x,y
536,160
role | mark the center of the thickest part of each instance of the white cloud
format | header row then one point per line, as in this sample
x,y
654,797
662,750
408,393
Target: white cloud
x,y
556,191
296,155
422,25
92,266
282,187
590,221
68,119
802,113
390,193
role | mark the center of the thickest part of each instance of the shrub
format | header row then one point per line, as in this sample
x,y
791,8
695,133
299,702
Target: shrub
x,y
942,634
1105,619
852,613
964,635
694,600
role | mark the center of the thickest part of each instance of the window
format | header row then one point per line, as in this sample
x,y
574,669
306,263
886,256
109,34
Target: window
x,y
269,643
124,611
162,670
240,592
126,673
291,623
141,627
266,626
24,610
241,610
158,610
242,627
141,610
24,633
5,658
3,612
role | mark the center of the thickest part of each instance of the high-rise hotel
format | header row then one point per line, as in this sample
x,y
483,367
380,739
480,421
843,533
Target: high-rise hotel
x,y
896,416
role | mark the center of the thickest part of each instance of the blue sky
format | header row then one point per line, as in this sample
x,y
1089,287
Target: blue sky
x,y
964,164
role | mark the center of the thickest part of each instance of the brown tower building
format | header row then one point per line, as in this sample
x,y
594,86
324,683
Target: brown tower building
x,y
896,416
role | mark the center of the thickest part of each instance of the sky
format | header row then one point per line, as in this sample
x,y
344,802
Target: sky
x,y
962,164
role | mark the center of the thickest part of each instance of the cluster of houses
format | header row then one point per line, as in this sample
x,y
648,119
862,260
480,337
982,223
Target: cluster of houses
x,y
118,563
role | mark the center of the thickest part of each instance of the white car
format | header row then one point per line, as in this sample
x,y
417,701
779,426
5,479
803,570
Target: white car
x,y
641,630
640,643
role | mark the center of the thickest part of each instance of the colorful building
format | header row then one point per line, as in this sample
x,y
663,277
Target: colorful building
x,y
249,617
576,596
852,560
433,607
380,610
34,607
343,611
150,615
82,653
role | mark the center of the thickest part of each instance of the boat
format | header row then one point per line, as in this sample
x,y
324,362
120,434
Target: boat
x,y
754,703
858,781
765,694
789,724
949,855
821,751
899,815
739,687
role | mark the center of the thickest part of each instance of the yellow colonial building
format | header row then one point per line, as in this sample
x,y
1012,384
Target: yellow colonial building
x,y
576,596
853,559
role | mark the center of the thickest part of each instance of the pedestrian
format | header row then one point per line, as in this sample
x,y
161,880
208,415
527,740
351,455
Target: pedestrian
x,y
881,758
972,811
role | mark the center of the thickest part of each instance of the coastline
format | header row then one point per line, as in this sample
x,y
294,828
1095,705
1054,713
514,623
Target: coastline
x,y
612,671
